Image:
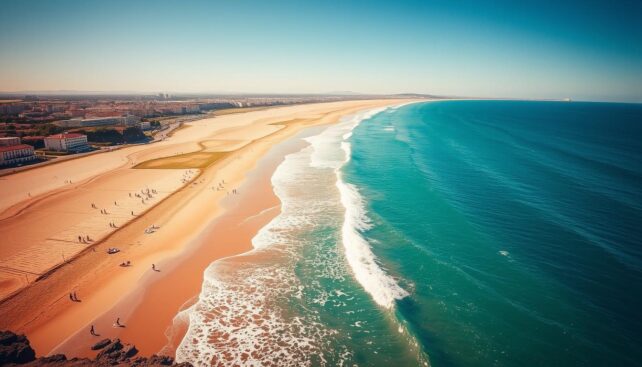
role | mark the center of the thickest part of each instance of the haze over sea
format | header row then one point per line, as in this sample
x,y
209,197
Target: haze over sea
x,y
454,233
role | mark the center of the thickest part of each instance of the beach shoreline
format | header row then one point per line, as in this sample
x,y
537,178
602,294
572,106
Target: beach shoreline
x,y
45,315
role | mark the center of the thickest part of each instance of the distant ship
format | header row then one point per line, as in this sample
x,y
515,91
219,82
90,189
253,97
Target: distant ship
x,y
567,99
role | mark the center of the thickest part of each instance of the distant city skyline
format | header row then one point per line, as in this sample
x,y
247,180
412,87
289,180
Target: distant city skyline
x,y
582,50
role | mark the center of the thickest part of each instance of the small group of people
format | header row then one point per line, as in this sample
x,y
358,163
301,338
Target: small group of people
x,y
113,225
103,211
126,263
220,185
84,239
147,193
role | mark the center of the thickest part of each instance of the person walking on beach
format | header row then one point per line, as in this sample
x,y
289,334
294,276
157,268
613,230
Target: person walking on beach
x,y
92,331
71,297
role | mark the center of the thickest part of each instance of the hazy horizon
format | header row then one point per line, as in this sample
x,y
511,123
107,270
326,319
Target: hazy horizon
x,y
585,51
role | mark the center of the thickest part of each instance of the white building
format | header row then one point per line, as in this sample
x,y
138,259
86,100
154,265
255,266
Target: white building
x,y
144,125
10,140
16,154
66,142
130,120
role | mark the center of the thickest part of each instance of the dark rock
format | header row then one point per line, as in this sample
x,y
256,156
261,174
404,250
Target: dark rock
x,y
56,358
101,344
112,347
15,349
156,360
130,351
8,337
139,361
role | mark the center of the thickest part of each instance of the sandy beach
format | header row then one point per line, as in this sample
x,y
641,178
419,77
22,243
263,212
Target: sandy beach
x,y
178,204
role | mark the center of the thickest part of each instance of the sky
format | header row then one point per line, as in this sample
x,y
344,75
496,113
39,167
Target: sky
x,y
585,50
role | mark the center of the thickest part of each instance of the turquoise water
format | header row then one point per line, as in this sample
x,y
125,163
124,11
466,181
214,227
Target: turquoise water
x,y
516,226
451,233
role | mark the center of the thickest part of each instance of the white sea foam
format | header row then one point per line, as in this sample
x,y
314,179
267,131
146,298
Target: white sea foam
x,y
373,278
382,287
235,322
242,315
325,152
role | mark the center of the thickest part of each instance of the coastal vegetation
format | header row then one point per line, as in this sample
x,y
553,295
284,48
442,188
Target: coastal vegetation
x,y
184,161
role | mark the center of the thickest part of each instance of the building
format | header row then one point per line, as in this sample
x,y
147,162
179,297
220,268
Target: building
x,y
130,120
11,108
101,121
144,125
75,122
67,142
96,121
10,140
16,154
191,108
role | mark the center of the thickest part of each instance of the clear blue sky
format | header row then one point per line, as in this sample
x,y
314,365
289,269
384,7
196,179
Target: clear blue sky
x,y
527,49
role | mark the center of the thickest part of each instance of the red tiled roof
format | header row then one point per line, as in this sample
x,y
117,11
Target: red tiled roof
x,y
15,147
65,136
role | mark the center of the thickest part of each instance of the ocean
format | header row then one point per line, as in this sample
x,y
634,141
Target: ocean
x,y
448,233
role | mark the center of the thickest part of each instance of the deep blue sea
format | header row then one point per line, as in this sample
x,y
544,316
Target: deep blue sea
x,y
515,226
448,233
